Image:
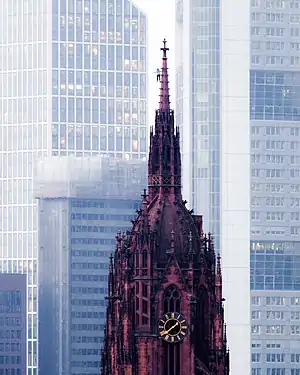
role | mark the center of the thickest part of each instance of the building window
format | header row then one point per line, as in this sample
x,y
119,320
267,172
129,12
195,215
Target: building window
x,y
274,173
255,144
295,329
275,357
255,187
295,301
255,329
255,4
255,300
295,315
255,31
273,346
255,314
256,357
275,315
255,345
295,358
275,329
275,301
275,216
256,172
265,102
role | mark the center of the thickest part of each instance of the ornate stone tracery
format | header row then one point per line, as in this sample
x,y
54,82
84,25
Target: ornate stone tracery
x,y
165,264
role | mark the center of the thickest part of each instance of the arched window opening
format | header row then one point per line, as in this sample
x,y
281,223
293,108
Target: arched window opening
x,y
136,261
202,325
172,299
144,259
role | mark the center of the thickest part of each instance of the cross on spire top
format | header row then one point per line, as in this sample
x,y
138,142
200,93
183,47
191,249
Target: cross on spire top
x,y
164,103
165,48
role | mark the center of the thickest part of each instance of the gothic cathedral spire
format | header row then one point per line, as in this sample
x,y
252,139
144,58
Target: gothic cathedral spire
x,y
165,308
164,165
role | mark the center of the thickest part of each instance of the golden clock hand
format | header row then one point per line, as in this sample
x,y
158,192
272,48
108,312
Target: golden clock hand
x,y
170,329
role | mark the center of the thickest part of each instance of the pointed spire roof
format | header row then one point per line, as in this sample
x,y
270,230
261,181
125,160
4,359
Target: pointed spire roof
x,y
164,102
164,164
219,272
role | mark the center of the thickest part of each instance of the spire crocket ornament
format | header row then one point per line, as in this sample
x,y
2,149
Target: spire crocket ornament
x,y
165,311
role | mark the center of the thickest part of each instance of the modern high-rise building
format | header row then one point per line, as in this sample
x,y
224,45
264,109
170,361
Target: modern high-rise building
x,y
212,111
13,329
72,82
83,204
275,147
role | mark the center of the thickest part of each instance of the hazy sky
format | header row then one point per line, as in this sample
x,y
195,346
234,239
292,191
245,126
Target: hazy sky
x,y
161,24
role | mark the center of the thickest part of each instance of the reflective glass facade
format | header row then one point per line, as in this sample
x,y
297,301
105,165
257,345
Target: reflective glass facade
x,y
275,95
212,111
72,82
203,156
99,88
275,145
77,237
13,324
275,266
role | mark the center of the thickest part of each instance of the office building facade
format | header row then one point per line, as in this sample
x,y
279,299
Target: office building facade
x,y
212,109
72,82
275,145
13,331
79,218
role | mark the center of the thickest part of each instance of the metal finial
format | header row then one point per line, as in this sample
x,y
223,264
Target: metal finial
x,y
165,48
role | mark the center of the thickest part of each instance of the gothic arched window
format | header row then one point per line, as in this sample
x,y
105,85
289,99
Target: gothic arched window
x,y
172,299
171,356
144,259
202,326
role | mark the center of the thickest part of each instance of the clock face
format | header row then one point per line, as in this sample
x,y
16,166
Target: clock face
x,y
172,327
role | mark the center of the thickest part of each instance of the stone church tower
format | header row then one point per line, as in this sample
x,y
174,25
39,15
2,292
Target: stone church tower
x,y
165,310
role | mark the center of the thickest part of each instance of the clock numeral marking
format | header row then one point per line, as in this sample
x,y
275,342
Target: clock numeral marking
x,y
172,327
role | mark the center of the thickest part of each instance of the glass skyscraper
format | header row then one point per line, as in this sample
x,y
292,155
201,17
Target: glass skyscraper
x,y
275,145
212,109
83,204
72,82
202,158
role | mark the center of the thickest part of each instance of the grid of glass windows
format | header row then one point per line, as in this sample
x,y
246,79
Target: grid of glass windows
x,y
204,133
99,79
93,66
275,115
275,316
275,95
275,266
12,324
84,287
97,222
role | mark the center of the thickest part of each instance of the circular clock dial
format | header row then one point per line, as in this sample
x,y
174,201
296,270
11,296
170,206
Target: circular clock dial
x,y
172,327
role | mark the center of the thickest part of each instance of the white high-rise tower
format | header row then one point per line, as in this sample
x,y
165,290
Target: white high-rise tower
x,y
212,109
